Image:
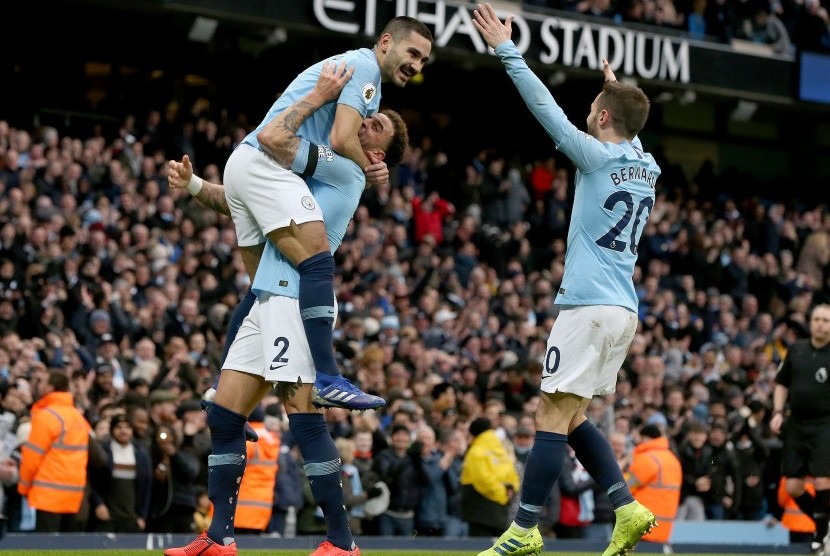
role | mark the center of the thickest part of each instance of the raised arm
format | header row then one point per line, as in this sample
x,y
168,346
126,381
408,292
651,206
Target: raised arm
x,y
212,195
279,138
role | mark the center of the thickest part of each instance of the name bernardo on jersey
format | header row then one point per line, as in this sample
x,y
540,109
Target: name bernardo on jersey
x,y
633,173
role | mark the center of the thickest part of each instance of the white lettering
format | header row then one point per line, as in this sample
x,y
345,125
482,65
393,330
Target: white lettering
x,y
320,7
563,41
628,68
437,19
674,66
549,40
611,46
568,27
642,70
586,49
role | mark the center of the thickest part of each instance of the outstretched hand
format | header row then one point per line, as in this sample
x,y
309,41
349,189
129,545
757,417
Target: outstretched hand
x,y
179,173
332,80
491,28
607,71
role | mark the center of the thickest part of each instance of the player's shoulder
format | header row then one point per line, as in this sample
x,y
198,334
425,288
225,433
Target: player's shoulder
x,y
361,58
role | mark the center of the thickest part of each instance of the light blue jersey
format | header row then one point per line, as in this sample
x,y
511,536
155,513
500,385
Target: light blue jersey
x,y
362,93
276,274
614,198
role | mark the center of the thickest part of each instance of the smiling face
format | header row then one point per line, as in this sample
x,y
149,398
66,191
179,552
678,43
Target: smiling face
x,y
403,59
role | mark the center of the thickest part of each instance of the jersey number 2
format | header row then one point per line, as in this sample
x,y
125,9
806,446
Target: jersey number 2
x,y
610,239
279,360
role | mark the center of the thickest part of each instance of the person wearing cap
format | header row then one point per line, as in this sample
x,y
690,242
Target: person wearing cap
x,y
489,481
654,477
803,383
121,494
100,323
109,353
59,440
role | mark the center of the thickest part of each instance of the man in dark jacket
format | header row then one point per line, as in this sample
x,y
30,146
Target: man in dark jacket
x,y
396,468
121,496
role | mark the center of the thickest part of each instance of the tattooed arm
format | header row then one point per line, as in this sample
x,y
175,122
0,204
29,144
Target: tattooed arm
x,y
212,195
279,137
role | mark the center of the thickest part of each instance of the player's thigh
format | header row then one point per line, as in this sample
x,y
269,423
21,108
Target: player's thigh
x,y
240,392
793,452
259,189
625,322
284,344
298,242
580,347
245,354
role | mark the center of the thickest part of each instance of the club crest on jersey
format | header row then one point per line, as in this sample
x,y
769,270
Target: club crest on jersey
x,y
821,375
308,202
368,91
324,152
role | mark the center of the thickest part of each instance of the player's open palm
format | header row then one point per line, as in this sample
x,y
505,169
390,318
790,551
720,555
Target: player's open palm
x,y
179,173
332,80
491,28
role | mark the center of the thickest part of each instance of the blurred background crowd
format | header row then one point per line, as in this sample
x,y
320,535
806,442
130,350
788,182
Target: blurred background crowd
x,y
445,282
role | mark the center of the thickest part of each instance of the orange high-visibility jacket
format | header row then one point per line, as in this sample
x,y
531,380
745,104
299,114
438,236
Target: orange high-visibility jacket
x,y
256,493
793,518
53,460
655,476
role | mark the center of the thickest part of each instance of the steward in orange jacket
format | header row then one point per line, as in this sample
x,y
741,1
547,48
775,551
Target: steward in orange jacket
x,y
53,461
800,525
256,492
655,476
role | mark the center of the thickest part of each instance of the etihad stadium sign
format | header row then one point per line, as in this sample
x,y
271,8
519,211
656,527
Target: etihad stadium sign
x,y
561,41
547,39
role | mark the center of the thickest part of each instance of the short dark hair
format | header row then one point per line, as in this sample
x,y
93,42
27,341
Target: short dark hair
x,y
440,388
400,139
402,26
59,381
651,431
628,105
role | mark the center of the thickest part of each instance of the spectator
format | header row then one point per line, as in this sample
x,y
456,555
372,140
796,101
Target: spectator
x,y
395,467
121,495
800,526
256,491
431,515
488,481
59,440
655,477
173,499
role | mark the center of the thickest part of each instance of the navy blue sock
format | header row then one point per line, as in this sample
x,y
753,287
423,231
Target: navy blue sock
x,y
544,464
238,315
317,312
226,465
595,454
321,463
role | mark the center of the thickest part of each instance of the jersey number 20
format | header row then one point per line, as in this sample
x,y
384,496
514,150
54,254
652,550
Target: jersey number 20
x,y
610,239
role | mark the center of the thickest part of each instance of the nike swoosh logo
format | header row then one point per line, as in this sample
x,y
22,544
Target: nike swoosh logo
x,y
275,367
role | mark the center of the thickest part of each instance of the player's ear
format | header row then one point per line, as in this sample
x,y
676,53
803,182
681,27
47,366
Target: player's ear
x,y
375,155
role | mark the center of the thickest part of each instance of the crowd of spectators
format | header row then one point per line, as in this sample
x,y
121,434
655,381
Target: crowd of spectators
x,y
781,24
445,282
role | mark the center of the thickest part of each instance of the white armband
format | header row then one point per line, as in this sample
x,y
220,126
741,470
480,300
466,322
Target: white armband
x,y
194,185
